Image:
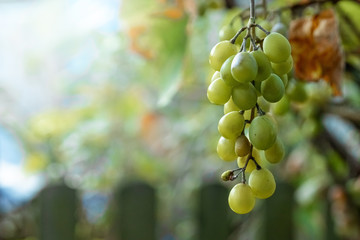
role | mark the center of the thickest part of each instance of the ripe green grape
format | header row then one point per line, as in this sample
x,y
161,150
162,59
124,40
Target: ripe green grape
x,y
227,32
262,132
242,146
244,67
276,47
284,79
272,88
241,198
281,107
231,125
283,67
226,149
264,24
262,183
296,91
218,92
215,76
244,96
220,52
276,152
263,104
280,28
264,65
230,106
225,73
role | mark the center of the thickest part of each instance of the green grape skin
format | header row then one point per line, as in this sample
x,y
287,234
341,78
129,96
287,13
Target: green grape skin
x,y
262,183
231,125
276,152
284,79
276,47
220,52
257,86
281,107
218,92
264,24
240,39
264,65
263,104
225,73
241,199
230,106
226,149
272,89
262,132
227,32
280,28
283,67
215,76
244,67
244,96
242,146
296,91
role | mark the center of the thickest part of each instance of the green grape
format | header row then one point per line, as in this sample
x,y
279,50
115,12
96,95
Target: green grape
x,y
247,114
284,79
281,107
262,183
215,76
220,52
230,106
241,161
276,47
276,152
242,146
260,33
225,73
244,96
263,104
262,132
296,91
218,92
244,67
226,149
231,125
264,65
283,67
241,199
227,32
240,39
280,28
272,88
257,86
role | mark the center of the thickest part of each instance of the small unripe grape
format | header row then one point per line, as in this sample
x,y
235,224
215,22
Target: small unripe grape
x,y
230,106
231,125
262,183
283,67
276,47
218,92
227,32
244,96
262,132
226,149
280,28
244,67
242,146
220,52
281,107
225,73
272,88
241,199
264,65
276,152
260,33
215,76
296,91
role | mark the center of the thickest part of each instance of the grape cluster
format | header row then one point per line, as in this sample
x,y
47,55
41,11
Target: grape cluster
x,y
251,69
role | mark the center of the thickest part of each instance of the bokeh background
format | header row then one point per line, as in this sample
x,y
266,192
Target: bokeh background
x,y
106,131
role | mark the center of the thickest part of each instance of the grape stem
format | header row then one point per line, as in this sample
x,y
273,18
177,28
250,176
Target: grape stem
x,y
237,34
259,110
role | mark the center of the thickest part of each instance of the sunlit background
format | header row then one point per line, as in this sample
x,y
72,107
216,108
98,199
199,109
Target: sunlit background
x,y
106,131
